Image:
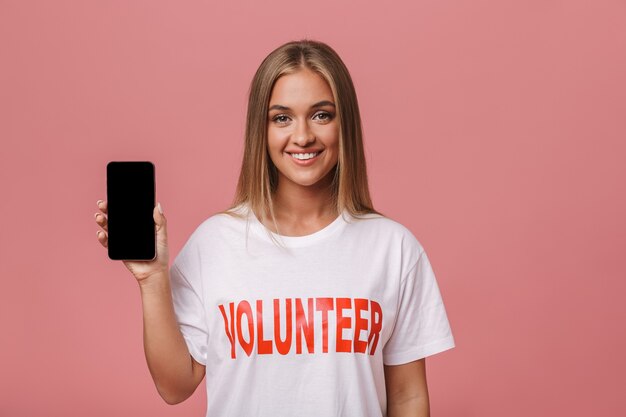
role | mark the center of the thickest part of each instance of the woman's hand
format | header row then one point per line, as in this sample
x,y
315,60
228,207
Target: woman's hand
x,y
142,270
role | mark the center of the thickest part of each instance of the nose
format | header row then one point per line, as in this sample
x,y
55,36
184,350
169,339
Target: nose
x,y
303,135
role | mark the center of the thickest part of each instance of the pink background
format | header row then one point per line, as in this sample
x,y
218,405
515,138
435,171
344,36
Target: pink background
x,y
495,131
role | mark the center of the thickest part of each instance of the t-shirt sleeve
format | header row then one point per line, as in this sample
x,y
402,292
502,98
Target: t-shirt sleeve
x,y
188,303
421,328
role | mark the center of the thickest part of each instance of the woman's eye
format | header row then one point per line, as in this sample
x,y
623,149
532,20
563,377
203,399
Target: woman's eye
x,y
281,118
327,116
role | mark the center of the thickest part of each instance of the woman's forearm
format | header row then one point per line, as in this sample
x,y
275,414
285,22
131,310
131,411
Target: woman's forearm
x,y
413,407
166,352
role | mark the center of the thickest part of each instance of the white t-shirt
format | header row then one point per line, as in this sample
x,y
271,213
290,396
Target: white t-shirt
x,y
305,331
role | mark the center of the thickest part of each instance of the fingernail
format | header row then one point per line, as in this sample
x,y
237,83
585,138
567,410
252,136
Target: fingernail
x,y
98,233
99,201
160,209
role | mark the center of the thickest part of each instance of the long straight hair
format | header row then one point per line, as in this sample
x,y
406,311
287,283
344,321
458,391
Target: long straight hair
x,y
258,177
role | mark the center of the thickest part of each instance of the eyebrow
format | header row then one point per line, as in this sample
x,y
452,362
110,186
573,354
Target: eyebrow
x,y
318,104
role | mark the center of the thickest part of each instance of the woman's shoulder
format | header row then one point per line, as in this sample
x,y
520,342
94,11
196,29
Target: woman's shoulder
x,y
212,233
380,222
220,222
388,228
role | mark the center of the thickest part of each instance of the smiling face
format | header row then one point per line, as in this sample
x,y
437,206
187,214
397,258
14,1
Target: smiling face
x,y
303,132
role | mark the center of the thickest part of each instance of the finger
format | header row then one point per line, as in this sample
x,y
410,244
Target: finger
x,y
103,238
102,221
159,220
102,205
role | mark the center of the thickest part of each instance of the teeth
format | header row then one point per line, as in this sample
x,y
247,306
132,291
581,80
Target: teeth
x,y
304,156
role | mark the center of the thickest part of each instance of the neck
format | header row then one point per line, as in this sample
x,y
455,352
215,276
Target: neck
x,y
294,201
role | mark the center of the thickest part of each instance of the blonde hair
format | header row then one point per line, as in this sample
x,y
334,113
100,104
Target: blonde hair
x,y
258,177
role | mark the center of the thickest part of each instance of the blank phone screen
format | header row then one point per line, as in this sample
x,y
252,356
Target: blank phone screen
x,y
130,204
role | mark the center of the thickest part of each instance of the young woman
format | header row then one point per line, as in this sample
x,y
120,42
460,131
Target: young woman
x,y
300,299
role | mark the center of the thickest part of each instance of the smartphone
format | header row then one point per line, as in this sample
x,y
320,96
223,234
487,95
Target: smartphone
x,y
131,190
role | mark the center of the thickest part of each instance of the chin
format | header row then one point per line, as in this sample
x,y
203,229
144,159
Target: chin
x,y
308,182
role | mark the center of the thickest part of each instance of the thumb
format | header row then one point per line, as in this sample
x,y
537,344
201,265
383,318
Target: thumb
x,y
159,217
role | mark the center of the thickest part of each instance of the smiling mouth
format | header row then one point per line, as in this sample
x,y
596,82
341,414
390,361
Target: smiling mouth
x,y
304,156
